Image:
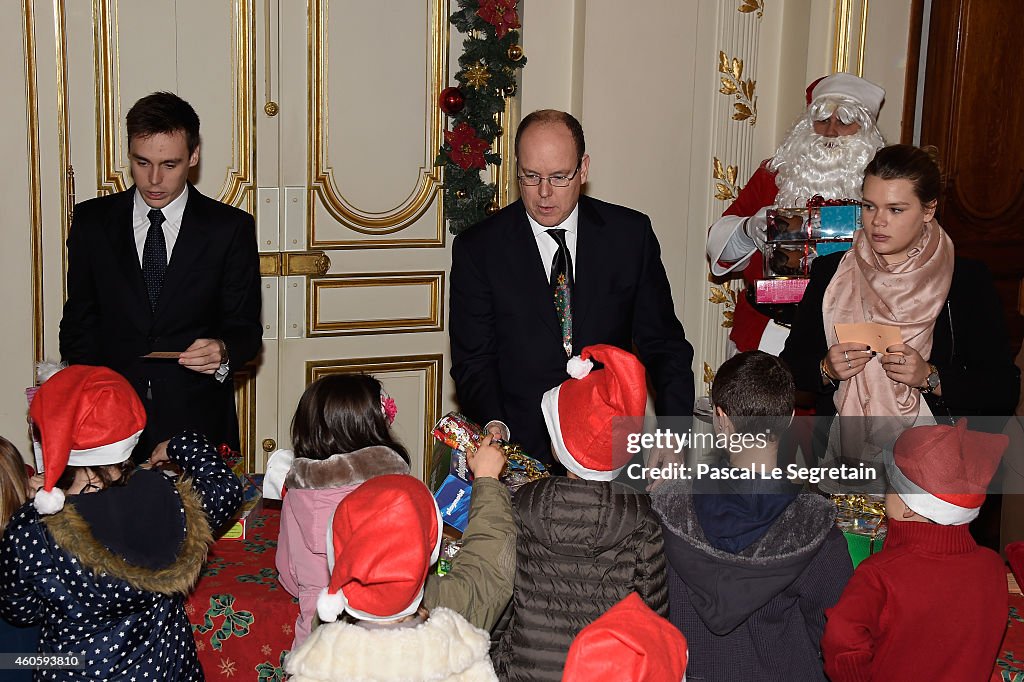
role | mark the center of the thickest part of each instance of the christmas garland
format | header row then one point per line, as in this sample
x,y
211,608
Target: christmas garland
x,y
487,76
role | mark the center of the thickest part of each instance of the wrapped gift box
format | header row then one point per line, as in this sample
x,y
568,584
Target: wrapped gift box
x,y
863,521
252,505
795,237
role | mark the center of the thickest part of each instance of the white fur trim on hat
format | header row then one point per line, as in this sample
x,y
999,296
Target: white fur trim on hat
x,y
578,367
848,86
923,502
48,501
111,453
549,406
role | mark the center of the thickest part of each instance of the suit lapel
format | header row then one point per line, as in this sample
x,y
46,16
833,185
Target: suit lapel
x,y
592,265
191,242
531,280
121,232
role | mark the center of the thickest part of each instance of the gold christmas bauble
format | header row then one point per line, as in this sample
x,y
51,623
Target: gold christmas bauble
x,y
460,194
492,208
515,52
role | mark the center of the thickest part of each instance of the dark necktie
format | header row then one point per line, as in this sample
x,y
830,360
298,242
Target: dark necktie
x,y
154,257
561,287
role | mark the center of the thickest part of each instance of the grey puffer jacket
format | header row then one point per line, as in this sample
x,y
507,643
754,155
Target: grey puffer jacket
x,y
582,547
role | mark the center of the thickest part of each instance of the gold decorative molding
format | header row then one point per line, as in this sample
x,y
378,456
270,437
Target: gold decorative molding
x,y
429,365
502,175
726,188
844,36
321,174
748,6
245,405
112,176
745,106
432,284
724,295
35,182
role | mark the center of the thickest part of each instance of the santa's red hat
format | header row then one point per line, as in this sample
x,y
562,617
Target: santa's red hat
x,y
942,472
382,540
589,416
848,86
86,416
630,643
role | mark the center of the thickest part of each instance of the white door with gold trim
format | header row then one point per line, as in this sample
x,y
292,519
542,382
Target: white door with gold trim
x,y
316,120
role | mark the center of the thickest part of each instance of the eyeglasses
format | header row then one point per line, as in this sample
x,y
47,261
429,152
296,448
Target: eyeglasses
x,y
532,179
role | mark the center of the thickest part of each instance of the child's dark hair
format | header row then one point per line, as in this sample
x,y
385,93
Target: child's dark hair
x,y
163,112
109,475
13,479
756,392
341,413
919,165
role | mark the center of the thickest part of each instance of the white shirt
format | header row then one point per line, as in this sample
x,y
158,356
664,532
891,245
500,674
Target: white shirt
x,y
546,244
171,225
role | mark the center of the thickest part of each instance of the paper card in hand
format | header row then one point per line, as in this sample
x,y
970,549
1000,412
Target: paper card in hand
x,y
878,336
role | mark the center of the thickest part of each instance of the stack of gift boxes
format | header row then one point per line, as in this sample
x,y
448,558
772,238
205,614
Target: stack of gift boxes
x,y
252,496
795,237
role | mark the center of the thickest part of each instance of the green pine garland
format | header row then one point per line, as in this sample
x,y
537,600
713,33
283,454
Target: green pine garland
x,y
466,196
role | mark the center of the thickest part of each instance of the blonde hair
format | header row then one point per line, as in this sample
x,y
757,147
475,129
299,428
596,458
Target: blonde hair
x,y
13,480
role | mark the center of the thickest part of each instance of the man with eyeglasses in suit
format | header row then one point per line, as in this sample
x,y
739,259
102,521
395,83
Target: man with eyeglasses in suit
x,y
548,275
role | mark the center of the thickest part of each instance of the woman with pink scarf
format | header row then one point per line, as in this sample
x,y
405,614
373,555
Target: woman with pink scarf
x,y
901,272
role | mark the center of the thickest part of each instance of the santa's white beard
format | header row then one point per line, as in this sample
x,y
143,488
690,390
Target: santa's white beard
x,y
808,164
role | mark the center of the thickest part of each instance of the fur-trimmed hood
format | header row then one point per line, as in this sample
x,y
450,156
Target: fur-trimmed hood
x,y
444,648
764,569
346,469
182,518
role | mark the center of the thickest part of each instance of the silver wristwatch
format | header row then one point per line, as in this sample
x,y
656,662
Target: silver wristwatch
x,y
931,382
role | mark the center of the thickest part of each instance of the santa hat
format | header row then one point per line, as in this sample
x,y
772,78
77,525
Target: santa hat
x,y
86,416
942,472
630,642
848,86
381,542
589,416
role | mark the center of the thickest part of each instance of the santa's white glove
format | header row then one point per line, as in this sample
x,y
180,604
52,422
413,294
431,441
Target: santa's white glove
x,y
755,228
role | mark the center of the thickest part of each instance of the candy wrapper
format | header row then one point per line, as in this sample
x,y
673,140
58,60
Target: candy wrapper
x,y
862,519
449,548
458,435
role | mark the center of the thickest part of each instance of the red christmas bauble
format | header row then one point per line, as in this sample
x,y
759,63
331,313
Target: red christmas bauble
x,y
451,101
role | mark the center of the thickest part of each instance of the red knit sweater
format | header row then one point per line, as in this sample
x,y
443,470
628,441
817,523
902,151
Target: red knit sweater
x,y
932,605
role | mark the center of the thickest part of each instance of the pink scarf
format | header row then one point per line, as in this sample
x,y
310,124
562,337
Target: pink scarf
x,y
909,295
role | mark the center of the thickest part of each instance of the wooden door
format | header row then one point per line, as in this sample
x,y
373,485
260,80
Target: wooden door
x,y
973,115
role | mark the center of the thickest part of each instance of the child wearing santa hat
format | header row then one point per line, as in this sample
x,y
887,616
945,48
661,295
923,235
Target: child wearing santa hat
x,y
102,557
383,538
629,643
932,604
585,541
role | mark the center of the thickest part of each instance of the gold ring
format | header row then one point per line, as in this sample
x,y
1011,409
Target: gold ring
x,y
846,355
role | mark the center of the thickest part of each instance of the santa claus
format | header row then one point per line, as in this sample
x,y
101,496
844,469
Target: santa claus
x,y
824,153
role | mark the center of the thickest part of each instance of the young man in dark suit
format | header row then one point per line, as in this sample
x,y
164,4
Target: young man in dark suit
x,y
160,268
551,273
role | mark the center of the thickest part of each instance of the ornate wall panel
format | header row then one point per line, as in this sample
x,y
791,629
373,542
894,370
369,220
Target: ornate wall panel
x,y
220,49
368,126
376,303
414,382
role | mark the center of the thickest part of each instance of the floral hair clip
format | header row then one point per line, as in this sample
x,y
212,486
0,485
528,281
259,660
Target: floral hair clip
x,y
388,406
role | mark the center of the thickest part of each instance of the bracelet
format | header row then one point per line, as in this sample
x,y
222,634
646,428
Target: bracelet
x,y
823,368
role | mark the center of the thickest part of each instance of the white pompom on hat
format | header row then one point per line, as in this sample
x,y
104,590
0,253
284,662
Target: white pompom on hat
x,y
589,415
383,538
86,416
848,86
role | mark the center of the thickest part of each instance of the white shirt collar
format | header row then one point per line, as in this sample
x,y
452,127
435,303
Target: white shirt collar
x,y
569,224
172,211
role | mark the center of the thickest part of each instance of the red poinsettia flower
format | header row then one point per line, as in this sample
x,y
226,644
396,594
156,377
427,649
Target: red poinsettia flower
x,y
501,14
467,149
